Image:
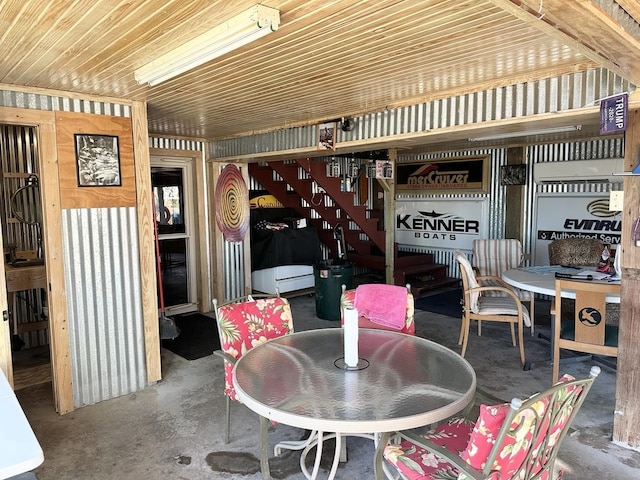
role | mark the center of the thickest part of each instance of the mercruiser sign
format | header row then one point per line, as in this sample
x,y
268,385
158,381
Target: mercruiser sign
x,y
441,223
461,173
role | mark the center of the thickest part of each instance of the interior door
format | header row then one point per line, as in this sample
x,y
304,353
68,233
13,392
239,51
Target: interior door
x,y
172,181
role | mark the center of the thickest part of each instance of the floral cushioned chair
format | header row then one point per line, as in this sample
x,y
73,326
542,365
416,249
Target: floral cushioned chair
x,y
519,440
244,323
347,300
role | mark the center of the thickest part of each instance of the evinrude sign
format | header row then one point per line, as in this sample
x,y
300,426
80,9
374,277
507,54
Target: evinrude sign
x,y
574,215
440,223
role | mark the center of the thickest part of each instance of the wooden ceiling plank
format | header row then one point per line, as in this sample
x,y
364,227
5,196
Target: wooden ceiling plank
x,y
586,28
632,7
57,33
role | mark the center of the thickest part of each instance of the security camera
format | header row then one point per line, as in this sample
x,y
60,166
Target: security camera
x,y
347,124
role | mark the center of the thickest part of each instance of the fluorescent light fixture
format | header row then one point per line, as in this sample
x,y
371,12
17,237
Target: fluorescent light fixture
x,y
526,133
244,28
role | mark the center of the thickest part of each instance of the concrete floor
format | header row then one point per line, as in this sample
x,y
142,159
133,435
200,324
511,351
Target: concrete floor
x,y
174,429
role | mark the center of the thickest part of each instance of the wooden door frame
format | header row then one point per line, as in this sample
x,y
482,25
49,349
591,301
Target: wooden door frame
x,y
203,288
44,122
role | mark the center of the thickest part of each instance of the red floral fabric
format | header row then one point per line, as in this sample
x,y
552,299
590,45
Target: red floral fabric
x,y
416,463
347,300
474,442
520,438
244,325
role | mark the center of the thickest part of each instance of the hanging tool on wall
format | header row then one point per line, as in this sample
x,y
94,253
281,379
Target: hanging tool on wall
x,y
168,327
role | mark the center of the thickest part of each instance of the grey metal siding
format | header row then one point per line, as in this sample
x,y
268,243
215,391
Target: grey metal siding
x,y
102,277
564,93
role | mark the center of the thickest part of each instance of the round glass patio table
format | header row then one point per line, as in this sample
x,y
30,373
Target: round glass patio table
x,y
401,382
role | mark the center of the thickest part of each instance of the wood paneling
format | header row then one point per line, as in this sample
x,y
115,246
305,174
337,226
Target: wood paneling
x,y
146,243
327,60
73,196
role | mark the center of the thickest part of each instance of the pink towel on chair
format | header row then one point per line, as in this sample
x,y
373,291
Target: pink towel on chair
x,y
382,304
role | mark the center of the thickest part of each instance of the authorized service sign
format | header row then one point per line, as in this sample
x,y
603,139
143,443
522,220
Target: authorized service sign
x,y
441,223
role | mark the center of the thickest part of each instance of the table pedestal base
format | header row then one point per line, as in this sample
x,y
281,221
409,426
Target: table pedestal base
x,y
315,440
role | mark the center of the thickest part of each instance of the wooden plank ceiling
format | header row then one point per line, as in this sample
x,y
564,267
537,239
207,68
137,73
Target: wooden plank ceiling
x,y
327,60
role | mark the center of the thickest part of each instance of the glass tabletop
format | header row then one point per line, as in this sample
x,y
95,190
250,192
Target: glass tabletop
x,y
403,381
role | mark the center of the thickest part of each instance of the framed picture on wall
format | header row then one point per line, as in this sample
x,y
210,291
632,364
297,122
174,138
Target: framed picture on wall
x,y
97,160
326,136
513,175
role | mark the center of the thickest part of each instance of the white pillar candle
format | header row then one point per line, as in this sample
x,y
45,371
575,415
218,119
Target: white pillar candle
x,y
350,328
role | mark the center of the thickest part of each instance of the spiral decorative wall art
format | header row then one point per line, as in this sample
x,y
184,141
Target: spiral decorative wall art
x,y
232,204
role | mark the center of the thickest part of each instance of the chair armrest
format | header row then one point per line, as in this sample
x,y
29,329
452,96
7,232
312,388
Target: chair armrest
x,y
492,278
496,288
414,437
226,356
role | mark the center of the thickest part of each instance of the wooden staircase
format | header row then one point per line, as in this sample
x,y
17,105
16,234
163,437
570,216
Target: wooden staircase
x,y
294,182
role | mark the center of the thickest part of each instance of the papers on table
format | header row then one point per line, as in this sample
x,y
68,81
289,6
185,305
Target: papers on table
x,y
575,273
593,274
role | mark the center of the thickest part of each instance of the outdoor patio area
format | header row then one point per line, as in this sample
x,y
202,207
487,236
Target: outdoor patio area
x,y
175,429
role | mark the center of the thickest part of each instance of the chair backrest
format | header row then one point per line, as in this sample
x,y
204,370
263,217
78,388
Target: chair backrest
x,y
468,282
575,252
588,328
522,439
493,257
246,322
347,300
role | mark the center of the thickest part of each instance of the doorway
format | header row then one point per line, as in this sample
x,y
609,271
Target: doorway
x,y
21,212
174,209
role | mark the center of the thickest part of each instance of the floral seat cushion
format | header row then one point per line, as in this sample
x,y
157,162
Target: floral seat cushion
x,y
526,446
347,301
248,324
417,463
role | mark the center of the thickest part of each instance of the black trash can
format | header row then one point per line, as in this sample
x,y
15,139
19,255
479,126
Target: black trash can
x,y
329,276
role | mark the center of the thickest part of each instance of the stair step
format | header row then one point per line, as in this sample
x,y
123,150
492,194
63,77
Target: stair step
x,y
405,275
420,287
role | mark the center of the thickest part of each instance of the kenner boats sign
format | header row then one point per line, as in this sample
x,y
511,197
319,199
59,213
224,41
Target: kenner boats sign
x,y
441,223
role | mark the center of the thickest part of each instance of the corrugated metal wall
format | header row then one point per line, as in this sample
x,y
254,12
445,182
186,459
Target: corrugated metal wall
x,y
37,101
567,92
496,198
557,152
595,149
102,277
556,94
175,143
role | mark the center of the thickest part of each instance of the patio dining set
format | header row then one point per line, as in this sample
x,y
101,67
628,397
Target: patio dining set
x,y
411,396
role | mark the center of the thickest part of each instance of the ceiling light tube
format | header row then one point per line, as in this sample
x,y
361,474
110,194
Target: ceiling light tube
x,y
526,133
244,28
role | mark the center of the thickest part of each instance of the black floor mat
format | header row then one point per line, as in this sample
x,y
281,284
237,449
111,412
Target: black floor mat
x,y
446,303
198,336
